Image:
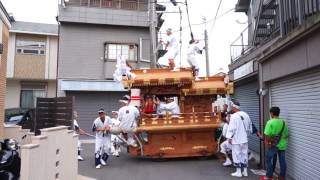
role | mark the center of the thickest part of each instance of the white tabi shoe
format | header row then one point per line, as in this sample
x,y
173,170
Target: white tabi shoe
x,y
132,143
98,166
237,173
250,156
103,162
80,158
175,69
227,163
116,154
245,172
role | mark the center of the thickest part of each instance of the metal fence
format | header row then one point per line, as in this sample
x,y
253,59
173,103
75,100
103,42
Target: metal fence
x,y
294,12
137,5
241,45
274,18
268,25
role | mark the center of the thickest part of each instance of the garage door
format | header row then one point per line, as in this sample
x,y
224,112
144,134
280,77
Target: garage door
x,y
249,102
299,100
88,103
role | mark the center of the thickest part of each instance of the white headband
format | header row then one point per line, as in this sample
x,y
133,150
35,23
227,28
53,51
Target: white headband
x,y
234,105
124,101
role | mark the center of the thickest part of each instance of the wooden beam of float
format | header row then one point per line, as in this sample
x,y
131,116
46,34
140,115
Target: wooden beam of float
x,y
210,85
177,127
159,77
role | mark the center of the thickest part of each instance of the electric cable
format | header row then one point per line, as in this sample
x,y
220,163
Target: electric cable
x,y
215,17
187,9
208,21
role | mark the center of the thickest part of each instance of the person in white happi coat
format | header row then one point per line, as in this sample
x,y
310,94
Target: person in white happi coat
x,y
193,49
101,127
172,47
128,117
79,131
240,126
226,147
123,69
115,141
171,107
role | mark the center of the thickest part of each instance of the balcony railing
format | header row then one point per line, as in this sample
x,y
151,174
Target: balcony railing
x,y
275,18
295,12
136,5
241,45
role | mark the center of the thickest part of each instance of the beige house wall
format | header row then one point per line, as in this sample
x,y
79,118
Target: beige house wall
x,y
13,94
13,91
3,72
11,54
24,66
52,57
31,37
29,67
52,89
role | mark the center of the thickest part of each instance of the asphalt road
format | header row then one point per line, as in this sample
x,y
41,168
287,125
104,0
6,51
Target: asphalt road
x,y
126,167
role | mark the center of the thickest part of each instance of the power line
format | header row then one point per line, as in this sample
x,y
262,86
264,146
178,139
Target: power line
x,y
208,21
215,17
187,8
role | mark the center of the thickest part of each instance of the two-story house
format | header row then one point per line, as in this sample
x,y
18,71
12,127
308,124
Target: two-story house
x,y
32,63
5,25
275,62
92,33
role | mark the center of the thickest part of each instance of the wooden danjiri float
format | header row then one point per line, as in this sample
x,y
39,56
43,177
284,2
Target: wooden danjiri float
x,y
192,132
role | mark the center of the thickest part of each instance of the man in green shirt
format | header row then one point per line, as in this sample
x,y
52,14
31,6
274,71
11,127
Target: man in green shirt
x,y
276,132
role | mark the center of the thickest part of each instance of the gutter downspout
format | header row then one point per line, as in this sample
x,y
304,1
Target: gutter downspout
x,y
57,88
262,115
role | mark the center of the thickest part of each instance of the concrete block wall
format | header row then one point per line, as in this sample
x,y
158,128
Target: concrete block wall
x,y
22,136
51,156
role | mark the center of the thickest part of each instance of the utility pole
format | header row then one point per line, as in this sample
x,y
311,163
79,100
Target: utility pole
x,y
206,47
153,38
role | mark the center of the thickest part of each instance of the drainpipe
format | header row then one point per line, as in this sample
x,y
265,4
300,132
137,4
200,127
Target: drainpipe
x,y
58,50
263,103
152,29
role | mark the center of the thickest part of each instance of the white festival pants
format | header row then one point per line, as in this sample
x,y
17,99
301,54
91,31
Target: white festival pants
x,y
171,54
115,145
225,147
240,155
102,145
193,62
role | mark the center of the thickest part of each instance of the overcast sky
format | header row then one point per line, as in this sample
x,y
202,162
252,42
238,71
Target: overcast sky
x,y
226,29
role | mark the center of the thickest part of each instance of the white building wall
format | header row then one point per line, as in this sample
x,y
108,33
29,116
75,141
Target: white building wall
x,y
11,55
52,89
12,94
53,57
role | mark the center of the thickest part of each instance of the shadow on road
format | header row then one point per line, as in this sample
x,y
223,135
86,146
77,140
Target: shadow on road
x,y
127,167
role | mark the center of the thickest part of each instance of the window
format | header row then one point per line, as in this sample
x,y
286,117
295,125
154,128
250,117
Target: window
x,y
30,93
129,51
106,3
30,47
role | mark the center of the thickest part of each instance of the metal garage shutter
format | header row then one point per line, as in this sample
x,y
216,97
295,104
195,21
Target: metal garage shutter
x,y
299,100
88,103
249,102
